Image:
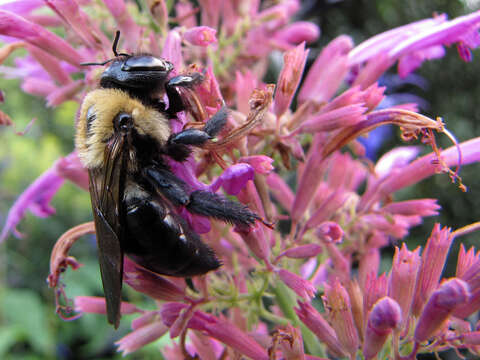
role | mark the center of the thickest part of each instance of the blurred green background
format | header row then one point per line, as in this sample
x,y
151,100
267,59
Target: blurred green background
x,y
29,327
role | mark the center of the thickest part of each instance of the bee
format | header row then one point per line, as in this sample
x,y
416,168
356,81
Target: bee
x,y
124,139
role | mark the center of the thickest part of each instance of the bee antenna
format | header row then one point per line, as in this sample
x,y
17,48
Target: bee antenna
x,y
115,42
114,46
93,63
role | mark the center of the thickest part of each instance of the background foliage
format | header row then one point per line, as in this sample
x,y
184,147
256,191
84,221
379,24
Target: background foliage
x,y
29,328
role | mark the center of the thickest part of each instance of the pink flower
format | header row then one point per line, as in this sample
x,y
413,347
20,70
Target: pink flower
x,y
337,302
433,261
297,32
261,164
201,36
141,337
97,305
289,78
327,72
150,283
302,287
227,333
320,327
17,27
403,277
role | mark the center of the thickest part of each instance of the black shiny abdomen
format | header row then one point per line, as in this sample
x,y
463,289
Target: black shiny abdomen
x,y
163,242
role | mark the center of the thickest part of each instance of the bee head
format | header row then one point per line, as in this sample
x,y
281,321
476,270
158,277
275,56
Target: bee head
x,y
133,73
138,73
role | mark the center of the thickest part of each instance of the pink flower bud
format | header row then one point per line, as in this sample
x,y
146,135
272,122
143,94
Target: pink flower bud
x,y
403,277
150,283
141,337
201,35
320,327
337,302
433,261
302,287
289,78
422,207
97,305
330,231
384,317
298,32
303,251
261,164
440,306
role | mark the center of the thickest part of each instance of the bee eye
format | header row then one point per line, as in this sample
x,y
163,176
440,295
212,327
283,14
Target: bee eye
x,y
123,121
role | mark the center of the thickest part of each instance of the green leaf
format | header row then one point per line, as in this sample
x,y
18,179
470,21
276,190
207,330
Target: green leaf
x,y
24,309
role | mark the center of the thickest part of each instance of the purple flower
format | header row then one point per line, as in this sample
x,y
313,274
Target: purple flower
x,y
35,198
384,317
440,305
233,179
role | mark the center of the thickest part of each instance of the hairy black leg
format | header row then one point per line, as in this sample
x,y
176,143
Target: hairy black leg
x,y
216,123
167,184
175,102
199,202
176,146
219,207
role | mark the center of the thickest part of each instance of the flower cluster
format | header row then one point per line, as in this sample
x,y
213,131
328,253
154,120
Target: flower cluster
x,y
309,292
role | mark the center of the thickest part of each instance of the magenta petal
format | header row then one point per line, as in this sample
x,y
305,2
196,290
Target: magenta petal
x,y
20,28
22,7
234,178
35,198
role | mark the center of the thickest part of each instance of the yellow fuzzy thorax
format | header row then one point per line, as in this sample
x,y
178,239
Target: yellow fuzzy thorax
x,y
107,103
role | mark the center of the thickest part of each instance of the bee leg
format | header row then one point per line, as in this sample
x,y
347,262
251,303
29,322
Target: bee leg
x,y
219,207
167,184
175,102
176,146
199,202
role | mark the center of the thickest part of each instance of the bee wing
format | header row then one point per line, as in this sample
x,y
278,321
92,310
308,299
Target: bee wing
x,y
106,192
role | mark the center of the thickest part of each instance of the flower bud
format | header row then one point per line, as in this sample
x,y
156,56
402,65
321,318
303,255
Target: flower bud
x,y
385,316
440,305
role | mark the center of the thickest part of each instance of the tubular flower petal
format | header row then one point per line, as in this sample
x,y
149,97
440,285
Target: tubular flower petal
x,y
302,287
384,317
440,306
320,327
337,302
433,261
150,283
141,337
17,27
403,277
97,305
289,78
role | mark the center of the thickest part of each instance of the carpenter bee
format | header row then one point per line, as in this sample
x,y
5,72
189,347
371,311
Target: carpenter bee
x,y
123,138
